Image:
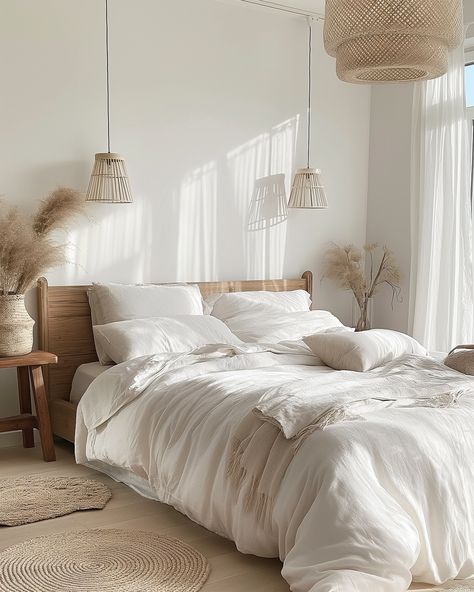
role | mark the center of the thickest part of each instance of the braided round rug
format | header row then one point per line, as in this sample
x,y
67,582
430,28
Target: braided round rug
x,y
33,498
105,559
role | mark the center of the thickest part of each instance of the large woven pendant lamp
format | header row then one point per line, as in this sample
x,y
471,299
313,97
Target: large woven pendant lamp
x,y
109,180
392,40
308,191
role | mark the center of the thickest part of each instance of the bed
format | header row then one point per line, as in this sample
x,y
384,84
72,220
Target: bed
x,y
65,328
364,495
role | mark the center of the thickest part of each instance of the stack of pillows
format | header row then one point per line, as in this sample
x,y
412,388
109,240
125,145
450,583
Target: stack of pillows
x,y
130,321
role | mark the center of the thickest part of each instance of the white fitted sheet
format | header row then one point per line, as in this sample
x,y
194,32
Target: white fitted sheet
x,y
83,378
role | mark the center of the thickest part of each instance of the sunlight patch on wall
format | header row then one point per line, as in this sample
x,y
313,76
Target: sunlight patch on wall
x,y
111,243
246,164
197,227
261,171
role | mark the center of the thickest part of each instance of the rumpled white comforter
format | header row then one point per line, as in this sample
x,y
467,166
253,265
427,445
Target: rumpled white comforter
x,y
365,504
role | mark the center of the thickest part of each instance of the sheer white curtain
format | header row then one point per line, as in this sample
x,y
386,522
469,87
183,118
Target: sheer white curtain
x,y
441,299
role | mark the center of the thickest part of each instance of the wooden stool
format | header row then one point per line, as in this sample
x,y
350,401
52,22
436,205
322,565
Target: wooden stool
x,y
30,378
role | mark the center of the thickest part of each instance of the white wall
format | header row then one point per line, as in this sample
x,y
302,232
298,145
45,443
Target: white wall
x,y
468,11
388,211
207,96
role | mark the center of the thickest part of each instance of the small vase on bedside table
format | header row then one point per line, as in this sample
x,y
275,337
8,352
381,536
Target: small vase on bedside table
x,y
16,326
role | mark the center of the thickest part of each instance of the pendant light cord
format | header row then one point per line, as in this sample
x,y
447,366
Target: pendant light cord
x,y
310,83
107,70
285,8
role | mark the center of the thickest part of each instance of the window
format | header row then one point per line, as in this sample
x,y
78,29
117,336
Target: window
x,y
469,70
469,84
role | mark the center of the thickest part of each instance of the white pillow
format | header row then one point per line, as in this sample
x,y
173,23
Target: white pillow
x,y
362,351
110,303
121,302
274,327
125,340
234,303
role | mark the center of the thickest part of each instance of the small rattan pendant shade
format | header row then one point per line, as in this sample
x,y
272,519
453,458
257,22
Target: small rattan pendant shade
x,y
109,180
308,190
390,40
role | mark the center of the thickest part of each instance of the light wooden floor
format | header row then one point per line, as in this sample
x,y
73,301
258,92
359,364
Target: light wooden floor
x,y
231,571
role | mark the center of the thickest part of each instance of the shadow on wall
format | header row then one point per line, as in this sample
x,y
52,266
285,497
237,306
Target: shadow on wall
x,y
228,217
228,220
266,236
261,171
268,206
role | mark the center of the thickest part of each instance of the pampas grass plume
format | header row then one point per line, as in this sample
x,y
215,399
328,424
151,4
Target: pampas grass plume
x,y
362,271
26,247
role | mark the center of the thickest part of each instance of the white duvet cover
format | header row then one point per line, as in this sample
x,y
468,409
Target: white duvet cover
x,y
362,505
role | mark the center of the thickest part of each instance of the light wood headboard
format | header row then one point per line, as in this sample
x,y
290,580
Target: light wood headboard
x,y
65,329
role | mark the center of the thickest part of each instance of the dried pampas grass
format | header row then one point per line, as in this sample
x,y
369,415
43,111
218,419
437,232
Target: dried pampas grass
x,y
26,247
363,272
56,210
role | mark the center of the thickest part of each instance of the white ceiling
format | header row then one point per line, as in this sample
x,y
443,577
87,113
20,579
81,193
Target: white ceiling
x,y
312,5
319,6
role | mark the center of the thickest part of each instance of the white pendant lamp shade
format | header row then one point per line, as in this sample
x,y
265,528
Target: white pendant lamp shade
x,y
308,190
109,180
392,40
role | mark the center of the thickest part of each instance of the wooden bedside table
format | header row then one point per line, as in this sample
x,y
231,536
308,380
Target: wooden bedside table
x,y
30,379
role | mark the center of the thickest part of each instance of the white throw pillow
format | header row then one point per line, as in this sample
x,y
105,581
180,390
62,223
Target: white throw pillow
x,y
274,327
233,304
110,303
125,340
362,351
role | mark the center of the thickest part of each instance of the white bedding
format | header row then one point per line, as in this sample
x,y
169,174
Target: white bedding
x,y
363,505
277,326
83,378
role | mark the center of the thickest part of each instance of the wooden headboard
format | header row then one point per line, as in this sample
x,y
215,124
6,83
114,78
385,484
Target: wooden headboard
x,y
65,329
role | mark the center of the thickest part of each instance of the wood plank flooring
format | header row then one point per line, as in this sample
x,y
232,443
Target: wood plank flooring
x,y
231,571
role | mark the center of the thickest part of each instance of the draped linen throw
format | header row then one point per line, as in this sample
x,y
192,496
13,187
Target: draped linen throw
x,y
267,439
441,298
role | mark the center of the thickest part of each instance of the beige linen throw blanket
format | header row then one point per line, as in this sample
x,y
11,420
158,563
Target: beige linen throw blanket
x,y
268,438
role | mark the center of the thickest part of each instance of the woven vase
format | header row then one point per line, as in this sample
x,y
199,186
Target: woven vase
x,y
16,326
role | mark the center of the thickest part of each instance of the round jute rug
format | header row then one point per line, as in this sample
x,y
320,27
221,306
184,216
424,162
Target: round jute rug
x,y
36,497
106,560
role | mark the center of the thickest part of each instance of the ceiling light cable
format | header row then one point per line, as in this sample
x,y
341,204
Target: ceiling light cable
x,y
283,8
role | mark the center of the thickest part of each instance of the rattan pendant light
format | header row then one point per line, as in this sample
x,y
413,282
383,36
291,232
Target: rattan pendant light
x,y
109,181
391,40
308,191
